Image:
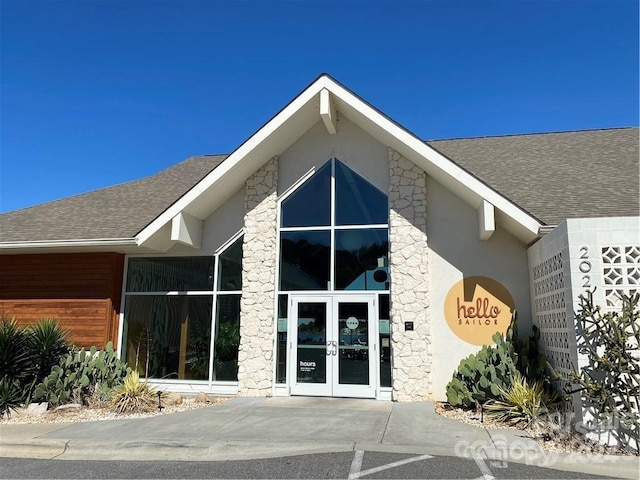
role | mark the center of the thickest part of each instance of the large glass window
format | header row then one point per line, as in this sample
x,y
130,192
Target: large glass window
x,y
225,365
334,236
170,321
309,213
305,260
334,233
357,201
361,259
165,274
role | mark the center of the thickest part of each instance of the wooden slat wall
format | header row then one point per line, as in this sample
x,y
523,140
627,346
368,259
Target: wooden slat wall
x,y
80,290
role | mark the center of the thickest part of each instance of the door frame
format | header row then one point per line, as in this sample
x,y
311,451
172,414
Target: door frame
x,y
332,387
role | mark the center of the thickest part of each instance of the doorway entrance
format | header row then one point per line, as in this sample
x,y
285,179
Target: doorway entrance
x,y
334,348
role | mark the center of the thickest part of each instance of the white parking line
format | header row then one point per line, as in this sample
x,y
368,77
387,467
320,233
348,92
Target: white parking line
x,y
356,465
486,473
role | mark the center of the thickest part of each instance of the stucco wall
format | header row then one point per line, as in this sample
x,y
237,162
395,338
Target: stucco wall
x,y
219,227
351,145
455,251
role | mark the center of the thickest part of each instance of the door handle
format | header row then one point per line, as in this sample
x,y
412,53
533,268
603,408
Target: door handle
x,y
335,347
329,349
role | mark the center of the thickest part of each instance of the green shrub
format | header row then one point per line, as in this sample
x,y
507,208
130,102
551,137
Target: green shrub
x,y
11,396
16,365
26,357
134,396
48,343
77,375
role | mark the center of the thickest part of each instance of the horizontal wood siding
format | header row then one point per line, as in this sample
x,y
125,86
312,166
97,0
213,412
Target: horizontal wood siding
x,y
82,291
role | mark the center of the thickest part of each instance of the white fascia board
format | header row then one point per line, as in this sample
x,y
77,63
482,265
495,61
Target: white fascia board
x,y
187,230
328,112
231,162
487,220
433,162
84,243
379,126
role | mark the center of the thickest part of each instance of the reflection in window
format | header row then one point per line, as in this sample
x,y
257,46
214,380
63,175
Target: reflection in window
x,y
310,204
361,259
304,260
167,274
169,335
230,267
283,319
385,341
360,254
225,365
357,201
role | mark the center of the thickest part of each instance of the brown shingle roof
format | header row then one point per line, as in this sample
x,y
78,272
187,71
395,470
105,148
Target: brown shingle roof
x,y
114,212
553,176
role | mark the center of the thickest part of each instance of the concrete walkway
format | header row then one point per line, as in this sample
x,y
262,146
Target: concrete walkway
x,y
249,428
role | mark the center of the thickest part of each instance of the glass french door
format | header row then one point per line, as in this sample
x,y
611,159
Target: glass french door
x,y
333,347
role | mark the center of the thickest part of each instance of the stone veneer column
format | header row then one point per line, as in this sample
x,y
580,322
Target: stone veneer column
x,y
255,356
408,267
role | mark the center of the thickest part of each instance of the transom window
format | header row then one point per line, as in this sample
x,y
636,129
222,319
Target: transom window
x,y
334,233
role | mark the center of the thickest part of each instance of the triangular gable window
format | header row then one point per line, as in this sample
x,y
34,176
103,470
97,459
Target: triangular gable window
x,y
334,233
357,202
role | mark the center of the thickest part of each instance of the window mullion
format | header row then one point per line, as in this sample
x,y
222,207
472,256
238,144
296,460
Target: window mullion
x,y
332,248
214,314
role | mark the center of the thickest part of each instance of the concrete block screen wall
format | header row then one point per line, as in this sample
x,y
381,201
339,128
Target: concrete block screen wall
x,y
590,254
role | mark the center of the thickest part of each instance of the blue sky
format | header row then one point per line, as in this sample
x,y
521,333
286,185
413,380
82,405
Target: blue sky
x,y
95,93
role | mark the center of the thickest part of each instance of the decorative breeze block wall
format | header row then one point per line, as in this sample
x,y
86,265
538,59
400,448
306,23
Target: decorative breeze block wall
x,y
589,254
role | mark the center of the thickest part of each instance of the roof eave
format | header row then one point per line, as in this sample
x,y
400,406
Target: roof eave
x,y
71,245
299,115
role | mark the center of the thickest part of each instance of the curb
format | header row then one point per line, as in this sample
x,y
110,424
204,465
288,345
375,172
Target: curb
x,y
41,449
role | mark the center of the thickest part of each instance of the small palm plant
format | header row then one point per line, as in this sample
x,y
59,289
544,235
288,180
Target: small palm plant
x,y
134,396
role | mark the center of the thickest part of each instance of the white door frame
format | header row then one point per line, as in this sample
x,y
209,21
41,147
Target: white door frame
x,y
332,348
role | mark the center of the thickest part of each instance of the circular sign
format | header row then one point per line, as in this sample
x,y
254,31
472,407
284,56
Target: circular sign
x,y
476,308
352,323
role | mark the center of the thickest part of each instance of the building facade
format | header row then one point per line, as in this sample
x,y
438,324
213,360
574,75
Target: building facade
x,y
332,254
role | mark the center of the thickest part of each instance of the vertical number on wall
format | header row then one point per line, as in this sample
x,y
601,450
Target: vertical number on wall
x,y
585,267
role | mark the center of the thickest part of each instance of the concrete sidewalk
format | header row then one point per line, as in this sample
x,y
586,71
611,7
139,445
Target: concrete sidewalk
x,y
249,428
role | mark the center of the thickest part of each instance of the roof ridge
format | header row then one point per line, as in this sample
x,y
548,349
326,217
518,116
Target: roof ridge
x,y
532,133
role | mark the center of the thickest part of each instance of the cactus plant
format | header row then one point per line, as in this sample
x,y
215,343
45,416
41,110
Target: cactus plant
x,y
78,373
484,375
481,376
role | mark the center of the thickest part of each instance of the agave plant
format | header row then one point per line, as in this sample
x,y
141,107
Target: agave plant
x,y
522,403
134,396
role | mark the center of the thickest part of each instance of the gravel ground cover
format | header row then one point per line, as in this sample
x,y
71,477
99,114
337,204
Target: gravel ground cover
x,y
86,414
549,435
